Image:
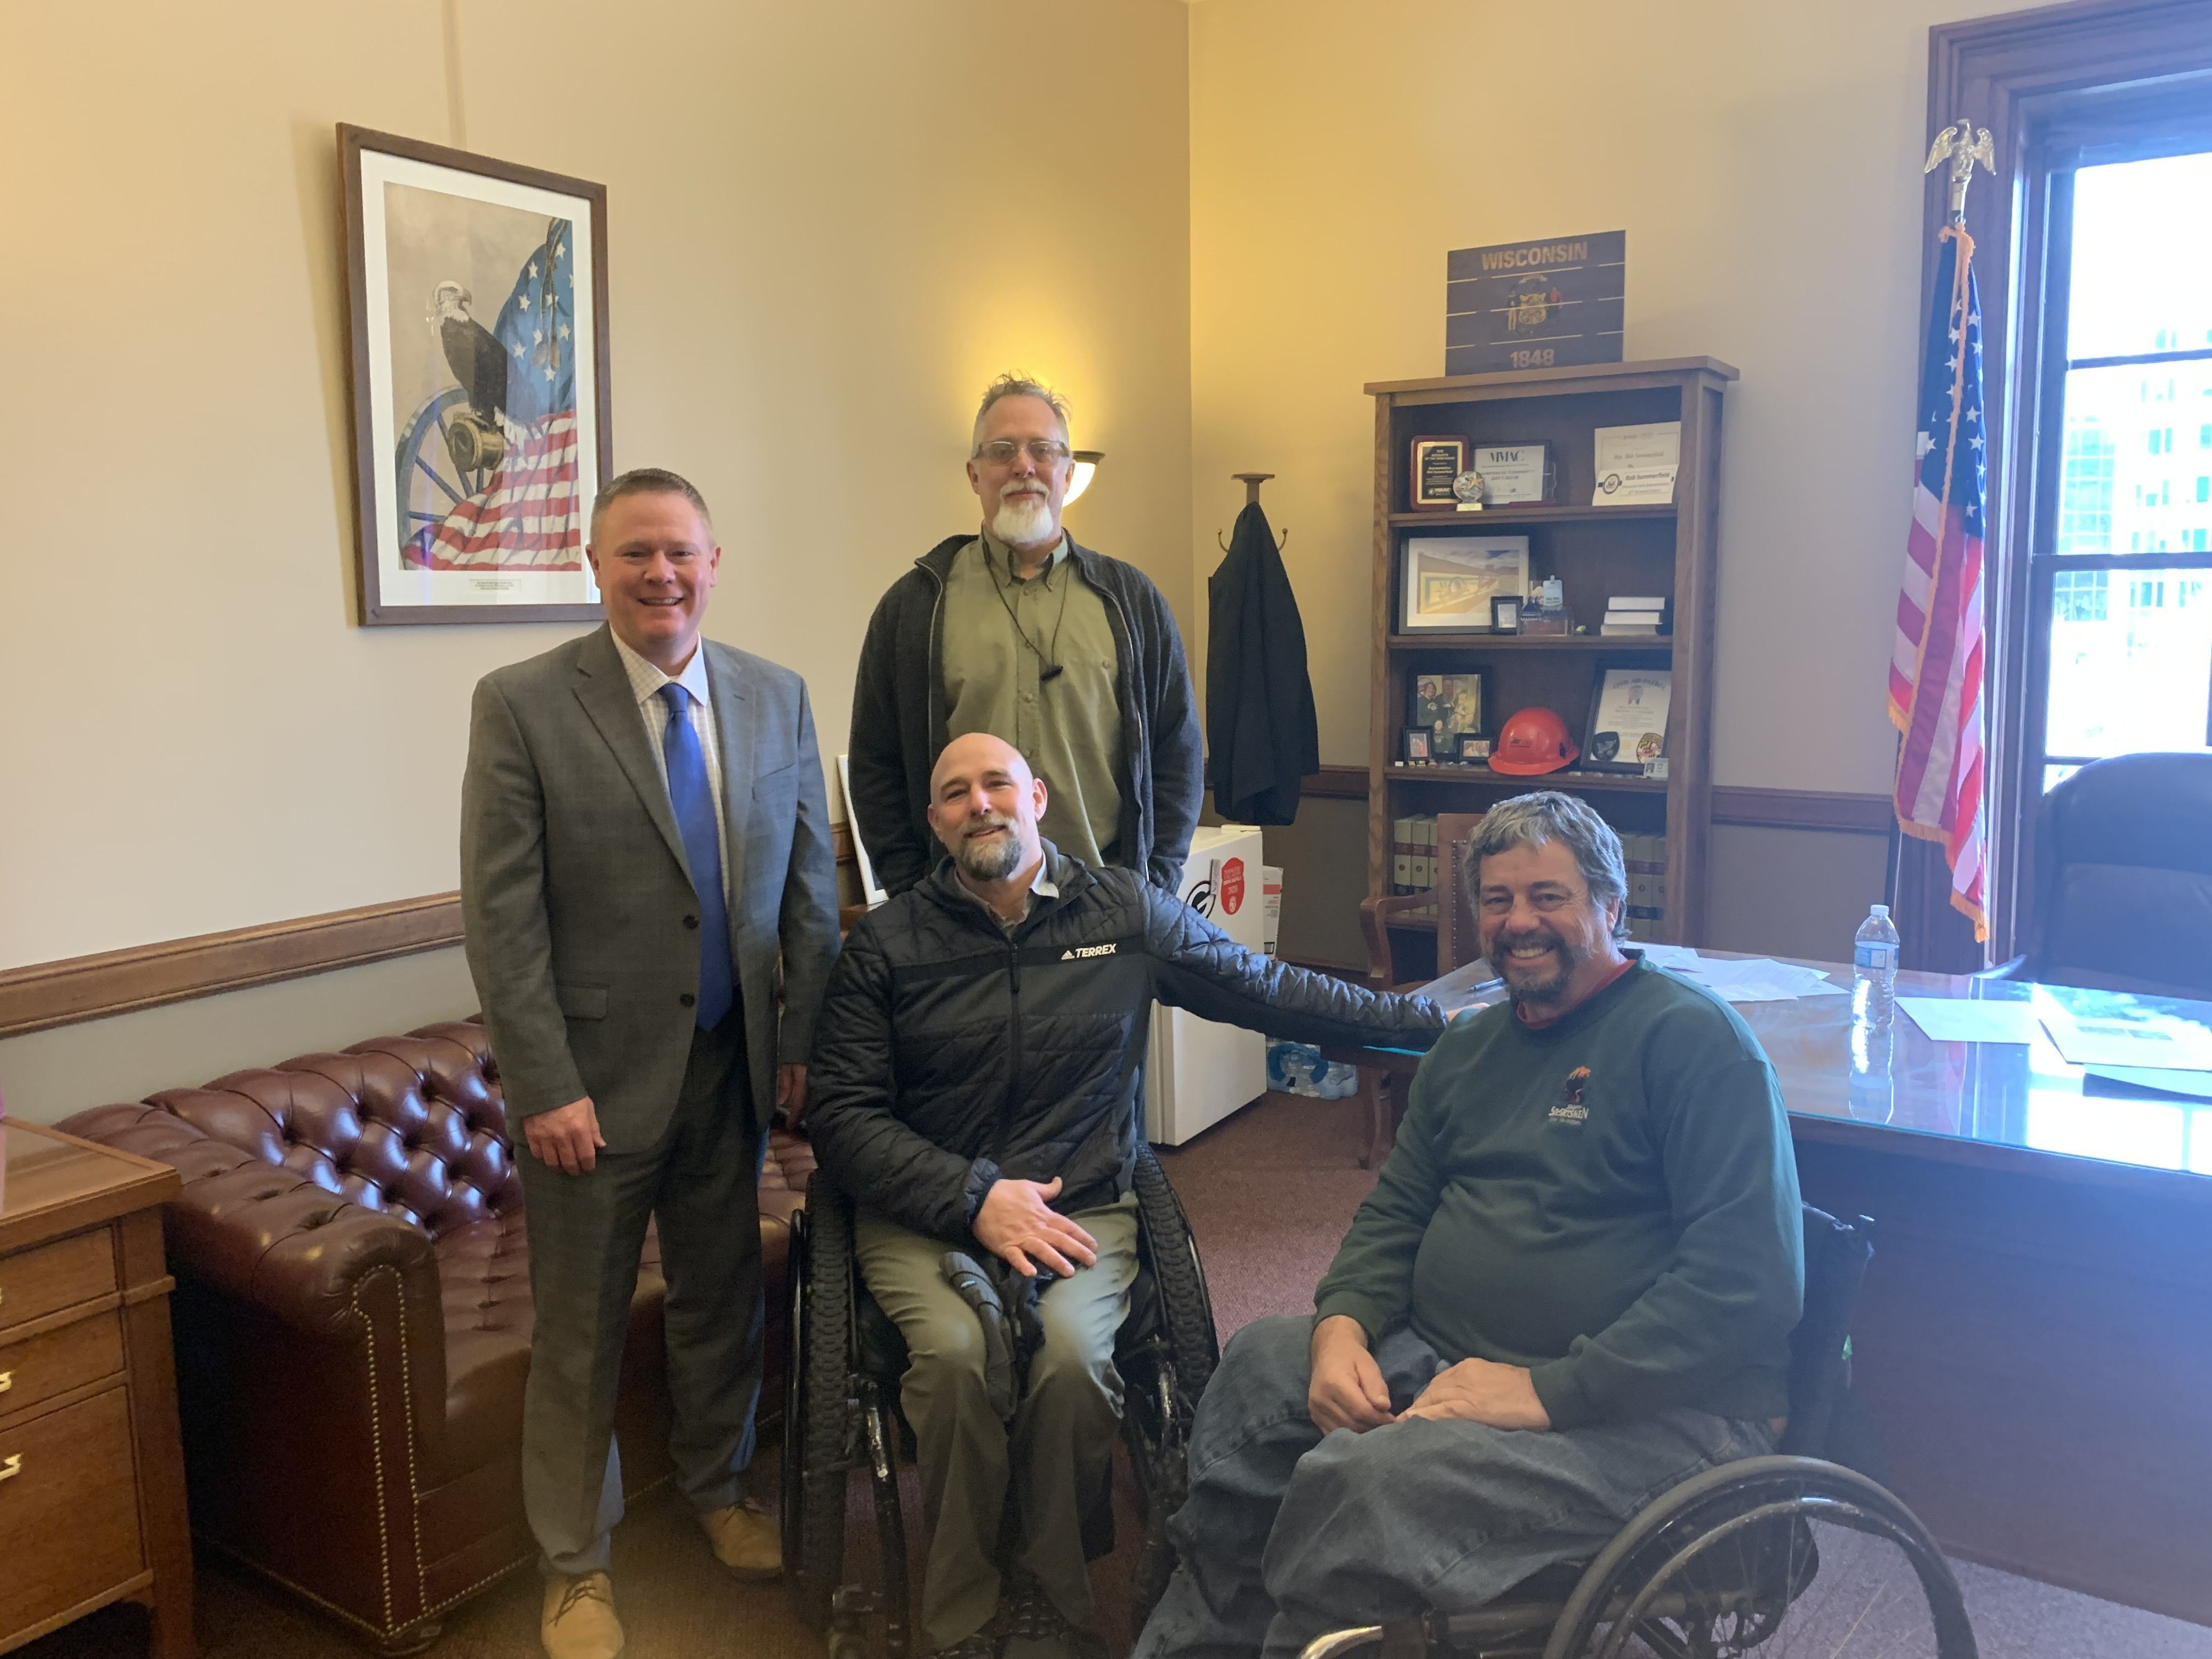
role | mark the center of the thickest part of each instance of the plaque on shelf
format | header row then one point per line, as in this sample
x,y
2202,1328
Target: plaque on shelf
x,y
1636,464
1437,462
1516,472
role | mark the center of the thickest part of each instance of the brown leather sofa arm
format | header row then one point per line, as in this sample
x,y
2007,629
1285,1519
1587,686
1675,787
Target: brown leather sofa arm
x,y
258,1232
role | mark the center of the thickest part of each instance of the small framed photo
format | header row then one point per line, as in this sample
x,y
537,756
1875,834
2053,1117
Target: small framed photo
x,y
1418,744
1447,582
1627,730
1505,613
1473,748
1437,462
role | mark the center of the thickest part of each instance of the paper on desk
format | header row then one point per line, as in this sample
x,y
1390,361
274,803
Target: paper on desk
x,y
2147,1080
2158,1041
1676,957
1754,979
1953,1020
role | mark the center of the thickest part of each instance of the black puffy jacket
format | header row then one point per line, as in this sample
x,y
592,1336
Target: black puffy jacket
x,y
949,1054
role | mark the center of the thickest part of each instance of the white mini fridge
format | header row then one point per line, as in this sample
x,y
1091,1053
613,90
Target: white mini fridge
x,y
1198,1072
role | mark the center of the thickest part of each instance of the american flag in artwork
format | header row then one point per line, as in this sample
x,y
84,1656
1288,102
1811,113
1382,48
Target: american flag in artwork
x,y
1936,664
528,518
520,377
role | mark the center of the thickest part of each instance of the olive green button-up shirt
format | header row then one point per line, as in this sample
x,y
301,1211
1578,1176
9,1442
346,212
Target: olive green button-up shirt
x,y
1068,727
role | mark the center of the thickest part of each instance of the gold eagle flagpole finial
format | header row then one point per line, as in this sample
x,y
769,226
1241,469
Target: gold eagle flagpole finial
x,y
1965,144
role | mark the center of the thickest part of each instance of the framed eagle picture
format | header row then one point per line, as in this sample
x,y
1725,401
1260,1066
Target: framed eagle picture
x,y
477,294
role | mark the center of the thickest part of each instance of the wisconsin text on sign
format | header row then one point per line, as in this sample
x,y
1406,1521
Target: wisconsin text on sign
x,y
1543,253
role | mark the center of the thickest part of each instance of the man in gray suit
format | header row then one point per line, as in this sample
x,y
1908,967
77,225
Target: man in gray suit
x,y
643,834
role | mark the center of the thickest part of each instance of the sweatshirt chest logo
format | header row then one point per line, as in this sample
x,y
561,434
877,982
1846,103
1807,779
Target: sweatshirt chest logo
x,y
1570,1109
1083,951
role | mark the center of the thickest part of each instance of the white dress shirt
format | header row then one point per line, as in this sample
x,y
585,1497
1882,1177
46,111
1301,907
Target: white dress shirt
x,y
645,682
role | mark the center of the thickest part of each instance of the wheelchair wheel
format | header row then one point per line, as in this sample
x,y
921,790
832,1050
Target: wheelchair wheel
x,y
1776,1558
817,1428
1186,1308
1164,1396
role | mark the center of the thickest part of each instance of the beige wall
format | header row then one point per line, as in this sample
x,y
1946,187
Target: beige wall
x,y
830,224
1765,160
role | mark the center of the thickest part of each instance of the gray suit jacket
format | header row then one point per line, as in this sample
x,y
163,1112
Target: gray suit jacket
x,y
579,912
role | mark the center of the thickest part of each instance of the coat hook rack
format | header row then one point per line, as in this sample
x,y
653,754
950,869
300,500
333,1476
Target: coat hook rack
x,y
1252,481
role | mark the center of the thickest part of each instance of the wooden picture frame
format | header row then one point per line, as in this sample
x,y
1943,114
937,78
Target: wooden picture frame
x,y
1447,704
477,446
1446,583
1610,742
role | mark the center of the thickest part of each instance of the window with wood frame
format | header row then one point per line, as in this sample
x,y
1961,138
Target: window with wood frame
x,y
2094,254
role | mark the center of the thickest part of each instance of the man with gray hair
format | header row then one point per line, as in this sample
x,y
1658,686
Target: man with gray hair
x,y
1572,1288
1017,630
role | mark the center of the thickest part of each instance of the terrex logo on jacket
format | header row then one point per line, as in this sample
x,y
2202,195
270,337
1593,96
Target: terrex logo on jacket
x,y
949,1052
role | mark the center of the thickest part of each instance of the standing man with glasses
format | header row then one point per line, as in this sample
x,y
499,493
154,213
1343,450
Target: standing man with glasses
x,y
1070,657
644,845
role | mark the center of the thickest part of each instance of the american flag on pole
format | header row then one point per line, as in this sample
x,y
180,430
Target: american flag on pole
x,y
1936,666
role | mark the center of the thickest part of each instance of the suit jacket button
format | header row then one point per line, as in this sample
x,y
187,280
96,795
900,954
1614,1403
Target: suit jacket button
x,y
687,998
690,922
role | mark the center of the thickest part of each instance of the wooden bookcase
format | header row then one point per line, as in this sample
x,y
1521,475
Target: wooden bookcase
x,y
1599,553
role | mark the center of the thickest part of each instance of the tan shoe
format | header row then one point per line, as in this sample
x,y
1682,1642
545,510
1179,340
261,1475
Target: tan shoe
x,y
578,1621
745,1541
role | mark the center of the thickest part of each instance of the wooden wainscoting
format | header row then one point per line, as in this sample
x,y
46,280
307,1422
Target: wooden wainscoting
x,y
77,989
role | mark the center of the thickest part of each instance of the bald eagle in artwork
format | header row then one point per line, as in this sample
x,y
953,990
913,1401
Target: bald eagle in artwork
x,y
475,356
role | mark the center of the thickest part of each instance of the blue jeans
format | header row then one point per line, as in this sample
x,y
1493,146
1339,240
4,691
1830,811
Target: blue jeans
x,y
1290,1533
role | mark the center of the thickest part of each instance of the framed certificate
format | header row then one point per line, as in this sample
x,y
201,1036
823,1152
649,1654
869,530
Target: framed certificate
x,y
1446,583
1516,472
1627,730
1635,465
1437,462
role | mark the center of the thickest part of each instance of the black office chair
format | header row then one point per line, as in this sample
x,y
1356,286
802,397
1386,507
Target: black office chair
x,y
1790,1554
841,1410
2122,886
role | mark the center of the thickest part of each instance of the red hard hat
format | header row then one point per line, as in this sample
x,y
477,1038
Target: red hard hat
x,y
1533,741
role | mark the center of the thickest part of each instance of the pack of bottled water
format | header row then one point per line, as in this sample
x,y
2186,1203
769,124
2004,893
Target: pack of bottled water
x,y
1297,1068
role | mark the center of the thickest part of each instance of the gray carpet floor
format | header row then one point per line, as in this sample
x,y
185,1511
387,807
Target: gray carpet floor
x,y
1269,1194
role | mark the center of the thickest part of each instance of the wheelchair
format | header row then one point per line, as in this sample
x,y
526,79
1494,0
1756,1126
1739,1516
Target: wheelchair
x,y
842,1374
1791,1555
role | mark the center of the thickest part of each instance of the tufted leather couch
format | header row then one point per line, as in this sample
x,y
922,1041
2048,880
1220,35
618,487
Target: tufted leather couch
x,y
353,1316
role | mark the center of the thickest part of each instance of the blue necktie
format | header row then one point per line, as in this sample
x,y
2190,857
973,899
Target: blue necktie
x,y
690,793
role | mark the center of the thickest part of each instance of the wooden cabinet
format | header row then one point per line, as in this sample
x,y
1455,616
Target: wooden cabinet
x,y
92,1486
1600,553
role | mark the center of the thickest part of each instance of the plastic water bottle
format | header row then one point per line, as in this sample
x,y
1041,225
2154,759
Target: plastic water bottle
x,y
1873,1017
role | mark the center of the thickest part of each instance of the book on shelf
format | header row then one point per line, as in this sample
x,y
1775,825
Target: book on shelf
x,y
1645,859
1632,615
1413,853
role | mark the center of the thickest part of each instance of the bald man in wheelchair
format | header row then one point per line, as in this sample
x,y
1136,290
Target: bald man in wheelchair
x,y
1572,1289
976,1090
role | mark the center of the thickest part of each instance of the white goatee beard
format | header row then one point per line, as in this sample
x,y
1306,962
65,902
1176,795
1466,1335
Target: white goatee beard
x,y
1022,520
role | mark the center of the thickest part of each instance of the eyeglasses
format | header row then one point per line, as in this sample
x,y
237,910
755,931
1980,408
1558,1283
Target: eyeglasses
x,y
1000,452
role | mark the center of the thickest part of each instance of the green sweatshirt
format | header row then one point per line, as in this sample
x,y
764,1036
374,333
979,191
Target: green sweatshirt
x,y
1610,1200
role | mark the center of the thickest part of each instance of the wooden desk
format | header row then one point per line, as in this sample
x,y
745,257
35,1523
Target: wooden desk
x,y
2034,1340
92,1482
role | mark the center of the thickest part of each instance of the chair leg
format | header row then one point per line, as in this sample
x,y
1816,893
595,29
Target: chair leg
x,y
1381,1090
